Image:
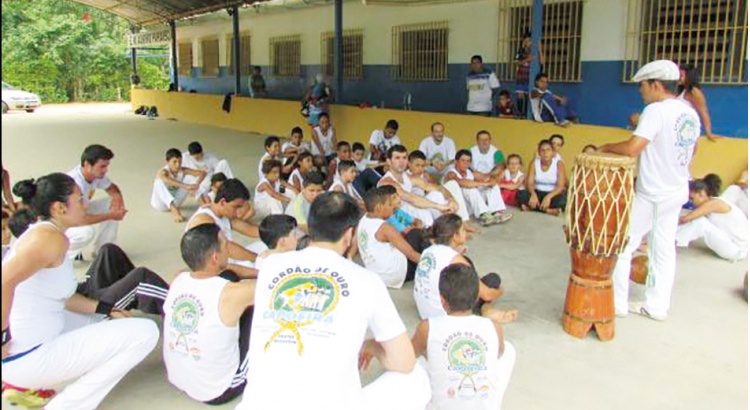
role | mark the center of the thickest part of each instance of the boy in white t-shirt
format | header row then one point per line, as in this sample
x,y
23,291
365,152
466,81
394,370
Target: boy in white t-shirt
x,y
170,189
467,357
382,140
313,310
196,158
295,145
440,151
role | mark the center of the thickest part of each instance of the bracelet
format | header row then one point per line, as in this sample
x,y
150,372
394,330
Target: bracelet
x,y
104,308
6,336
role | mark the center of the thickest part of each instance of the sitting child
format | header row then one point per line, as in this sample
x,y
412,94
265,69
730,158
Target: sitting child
x,y
486,359
272,146
505,107
383,249
359,157
513,180
272,194
304,166
170,189
217,180
347,170
343,153
299,208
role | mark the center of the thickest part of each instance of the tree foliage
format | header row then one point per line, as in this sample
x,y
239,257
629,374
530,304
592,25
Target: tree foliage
x,y
65,51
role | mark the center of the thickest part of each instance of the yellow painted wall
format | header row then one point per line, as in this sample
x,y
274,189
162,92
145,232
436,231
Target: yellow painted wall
x,y
727,158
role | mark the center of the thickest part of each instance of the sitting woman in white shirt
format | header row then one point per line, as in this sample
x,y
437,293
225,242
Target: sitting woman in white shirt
x,y
545,183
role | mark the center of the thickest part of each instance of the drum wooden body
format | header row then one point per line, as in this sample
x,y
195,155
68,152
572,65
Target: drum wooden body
x,y
598,216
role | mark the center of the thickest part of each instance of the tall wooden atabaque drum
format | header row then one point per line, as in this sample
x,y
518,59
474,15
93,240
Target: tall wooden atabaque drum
x,y
598,215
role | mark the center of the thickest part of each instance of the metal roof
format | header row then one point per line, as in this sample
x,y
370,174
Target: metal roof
x,y
152,12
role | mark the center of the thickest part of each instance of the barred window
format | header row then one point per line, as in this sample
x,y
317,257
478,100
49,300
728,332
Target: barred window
x,y
286,55
244,54
185,59
709,34
210,52
561,39
352,53
420,52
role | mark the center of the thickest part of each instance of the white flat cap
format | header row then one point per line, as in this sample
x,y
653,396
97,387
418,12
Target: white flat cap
x,y
664,70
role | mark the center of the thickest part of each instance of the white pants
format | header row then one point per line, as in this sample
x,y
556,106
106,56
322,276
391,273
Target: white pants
x,y
222,166
81,236
270,205
737,196
395,390
455,191
660,219
162,198
505,367
423,214
716,239
483,200
93,357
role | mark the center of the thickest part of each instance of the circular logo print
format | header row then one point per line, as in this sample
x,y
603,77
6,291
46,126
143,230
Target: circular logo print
x,y
185,316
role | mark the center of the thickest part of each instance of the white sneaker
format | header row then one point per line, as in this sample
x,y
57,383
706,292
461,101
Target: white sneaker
x,y
621,314
637,307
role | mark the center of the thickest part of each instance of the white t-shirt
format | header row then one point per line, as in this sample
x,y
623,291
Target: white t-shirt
x,y
463,363
445,151
201,353
312,310
302,147
378,139
88,187
483,163
480,87
672,128
427,280
207,164
380,257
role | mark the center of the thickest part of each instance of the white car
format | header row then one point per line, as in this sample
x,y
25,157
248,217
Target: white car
x,y
15,99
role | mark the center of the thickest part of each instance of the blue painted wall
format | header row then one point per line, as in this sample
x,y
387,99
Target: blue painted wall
x,y
602,98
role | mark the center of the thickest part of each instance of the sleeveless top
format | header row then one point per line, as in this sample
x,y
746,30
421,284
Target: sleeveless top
x,y
483,163
509,178
224,223
298,176
179,176
326,140
380,257
201,353
262,196
406,185
415,189
733,223
545,181
469,175
38,314
462,361
427,279
348,189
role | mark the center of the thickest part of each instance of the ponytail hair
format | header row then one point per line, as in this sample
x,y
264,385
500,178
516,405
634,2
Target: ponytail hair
x,y
49,189
444,228
26,190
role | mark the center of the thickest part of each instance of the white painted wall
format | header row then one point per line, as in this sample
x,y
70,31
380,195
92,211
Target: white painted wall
x,y
473,29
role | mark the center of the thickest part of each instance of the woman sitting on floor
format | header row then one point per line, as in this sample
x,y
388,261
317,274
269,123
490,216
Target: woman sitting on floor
x,y
721,225
545,183
59,335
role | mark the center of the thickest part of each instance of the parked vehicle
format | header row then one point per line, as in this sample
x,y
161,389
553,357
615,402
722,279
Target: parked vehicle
x,y
15,99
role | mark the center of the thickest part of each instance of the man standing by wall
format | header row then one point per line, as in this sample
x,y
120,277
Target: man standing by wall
x,y
481,83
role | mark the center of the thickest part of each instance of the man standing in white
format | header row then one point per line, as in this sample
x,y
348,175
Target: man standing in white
x,y
207,162
664,142
439,150
106,213
313,308
481,83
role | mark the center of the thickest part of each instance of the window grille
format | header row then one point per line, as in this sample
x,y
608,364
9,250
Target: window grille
x,y
561,38
286,55
244,54
210,52
352,53
185,59
420,52
709,34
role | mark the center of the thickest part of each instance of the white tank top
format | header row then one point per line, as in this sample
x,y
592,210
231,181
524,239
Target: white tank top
x,y
224,223
296,176
469,175
38,314
415,189
508,177
326,140
263,159
348,189
483,163
734,223
545,181
201,353
462,361
406,185
179,176
427,279
262,196
380,257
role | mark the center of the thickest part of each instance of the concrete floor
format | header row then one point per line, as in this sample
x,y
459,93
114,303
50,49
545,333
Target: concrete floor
x,y
695,360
